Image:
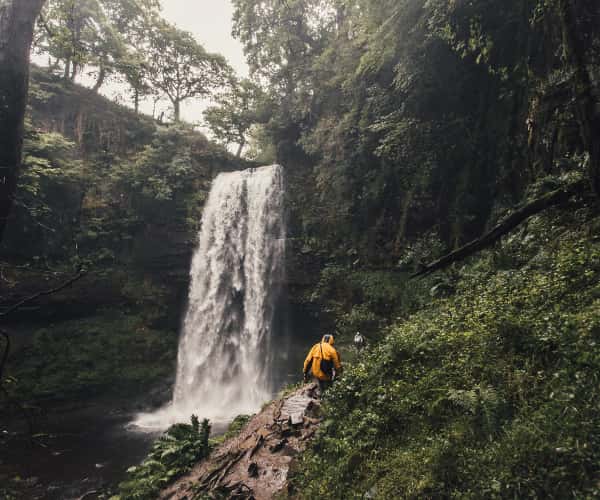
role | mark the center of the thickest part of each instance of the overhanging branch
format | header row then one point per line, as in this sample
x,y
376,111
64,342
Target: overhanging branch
x,y
505,226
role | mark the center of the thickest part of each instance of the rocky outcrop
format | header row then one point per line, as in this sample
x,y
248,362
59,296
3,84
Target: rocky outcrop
x,y
255,464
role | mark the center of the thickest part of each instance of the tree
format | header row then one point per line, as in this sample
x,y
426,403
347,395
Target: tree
x,y
133,19
588,113
180,67
236,112
75,32
135,70
281,41
104,35
423,116
17,20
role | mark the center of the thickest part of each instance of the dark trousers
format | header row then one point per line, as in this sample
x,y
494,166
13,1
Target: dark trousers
x,y
324,385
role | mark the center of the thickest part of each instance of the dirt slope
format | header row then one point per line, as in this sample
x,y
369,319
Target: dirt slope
x,y
255,464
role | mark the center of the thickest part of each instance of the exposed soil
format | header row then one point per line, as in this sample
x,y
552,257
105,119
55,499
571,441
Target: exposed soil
x,y
255,463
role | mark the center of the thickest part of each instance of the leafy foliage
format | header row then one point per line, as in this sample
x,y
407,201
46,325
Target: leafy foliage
x,y
123,197
365,301
491,392
236,111
405,119
110,353
180,67
172,455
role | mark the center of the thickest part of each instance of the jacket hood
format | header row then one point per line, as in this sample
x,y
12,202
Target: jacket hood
x,y
328,339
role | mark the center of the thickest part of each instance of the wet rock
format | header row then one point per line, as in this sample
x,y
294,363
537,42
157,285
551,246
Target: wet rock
x,y
253,470
278,446
296,419
255,463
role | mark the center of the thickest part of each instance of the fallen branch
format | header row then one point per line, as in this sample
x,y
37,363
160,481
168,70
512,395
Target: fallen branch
x,y
44,293
257,445
16,306
505,226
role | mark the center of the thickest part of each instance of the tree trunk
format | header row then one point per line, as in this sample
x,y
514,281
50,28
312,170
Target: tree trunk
x,y
505,226
177,111
100,80
240,148
17,19
585,102
136,100
67,72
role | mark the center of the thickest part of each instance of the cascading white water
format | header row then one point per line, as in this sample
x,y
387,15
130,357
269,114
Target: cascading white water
x,y
224,359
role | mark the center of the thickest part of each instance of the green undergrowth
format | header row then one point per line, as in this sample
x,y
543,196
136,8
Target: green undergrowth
x,y
365,300
235,427
172,455
491,392
112,353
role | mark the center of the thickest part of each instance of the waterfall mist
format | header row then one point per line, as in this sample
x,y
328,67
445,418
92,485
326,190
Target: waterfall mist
x,y
225,351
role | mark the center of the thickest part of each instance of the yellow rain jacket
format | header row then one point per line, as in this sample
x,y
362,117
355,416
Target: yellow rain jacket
x,y
321,358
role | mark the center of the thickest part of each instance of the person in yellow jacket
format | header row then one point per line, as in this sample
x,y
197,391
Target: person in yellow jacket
x,y
323,362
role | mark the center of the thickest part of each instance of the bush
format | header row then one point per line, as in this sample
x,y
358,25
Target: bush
x,y
112,353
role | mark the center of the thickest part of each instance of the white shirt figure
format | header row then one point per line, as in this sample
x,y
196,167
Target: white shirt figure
x,y
359,341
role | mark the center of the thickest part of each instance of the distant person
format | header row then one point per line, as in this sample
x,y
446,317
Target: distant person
x,y
323,363
359,342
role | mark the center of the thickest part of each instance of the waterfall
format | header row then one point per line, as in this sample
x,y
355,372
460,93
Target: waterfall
x,y
225,349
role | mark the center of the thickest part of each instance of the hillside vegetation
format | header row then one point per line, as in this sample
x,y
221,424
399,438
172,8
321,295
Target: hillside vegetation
x,y
489,392
411,128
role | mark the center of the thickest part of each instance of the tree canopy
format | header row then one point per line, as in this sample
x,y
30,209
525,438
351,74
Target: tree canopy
x,y
128,40
180,67
419,116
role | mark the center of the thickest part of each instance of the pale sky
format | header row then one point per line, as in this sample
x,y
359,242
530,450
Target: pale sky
x,y
210,22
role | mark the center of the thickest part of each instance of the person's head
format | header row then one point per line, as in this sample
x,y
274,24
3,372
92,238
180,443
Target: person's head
x,y
328,339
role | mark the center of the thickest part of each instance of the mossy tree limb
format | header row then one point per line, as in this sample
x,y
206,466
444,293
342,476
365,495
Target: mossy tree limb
x,y
504,227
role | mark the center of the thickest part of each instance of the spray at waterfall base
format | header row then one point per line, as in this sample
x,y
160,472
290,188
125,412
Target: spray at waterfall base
x,y
225,361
